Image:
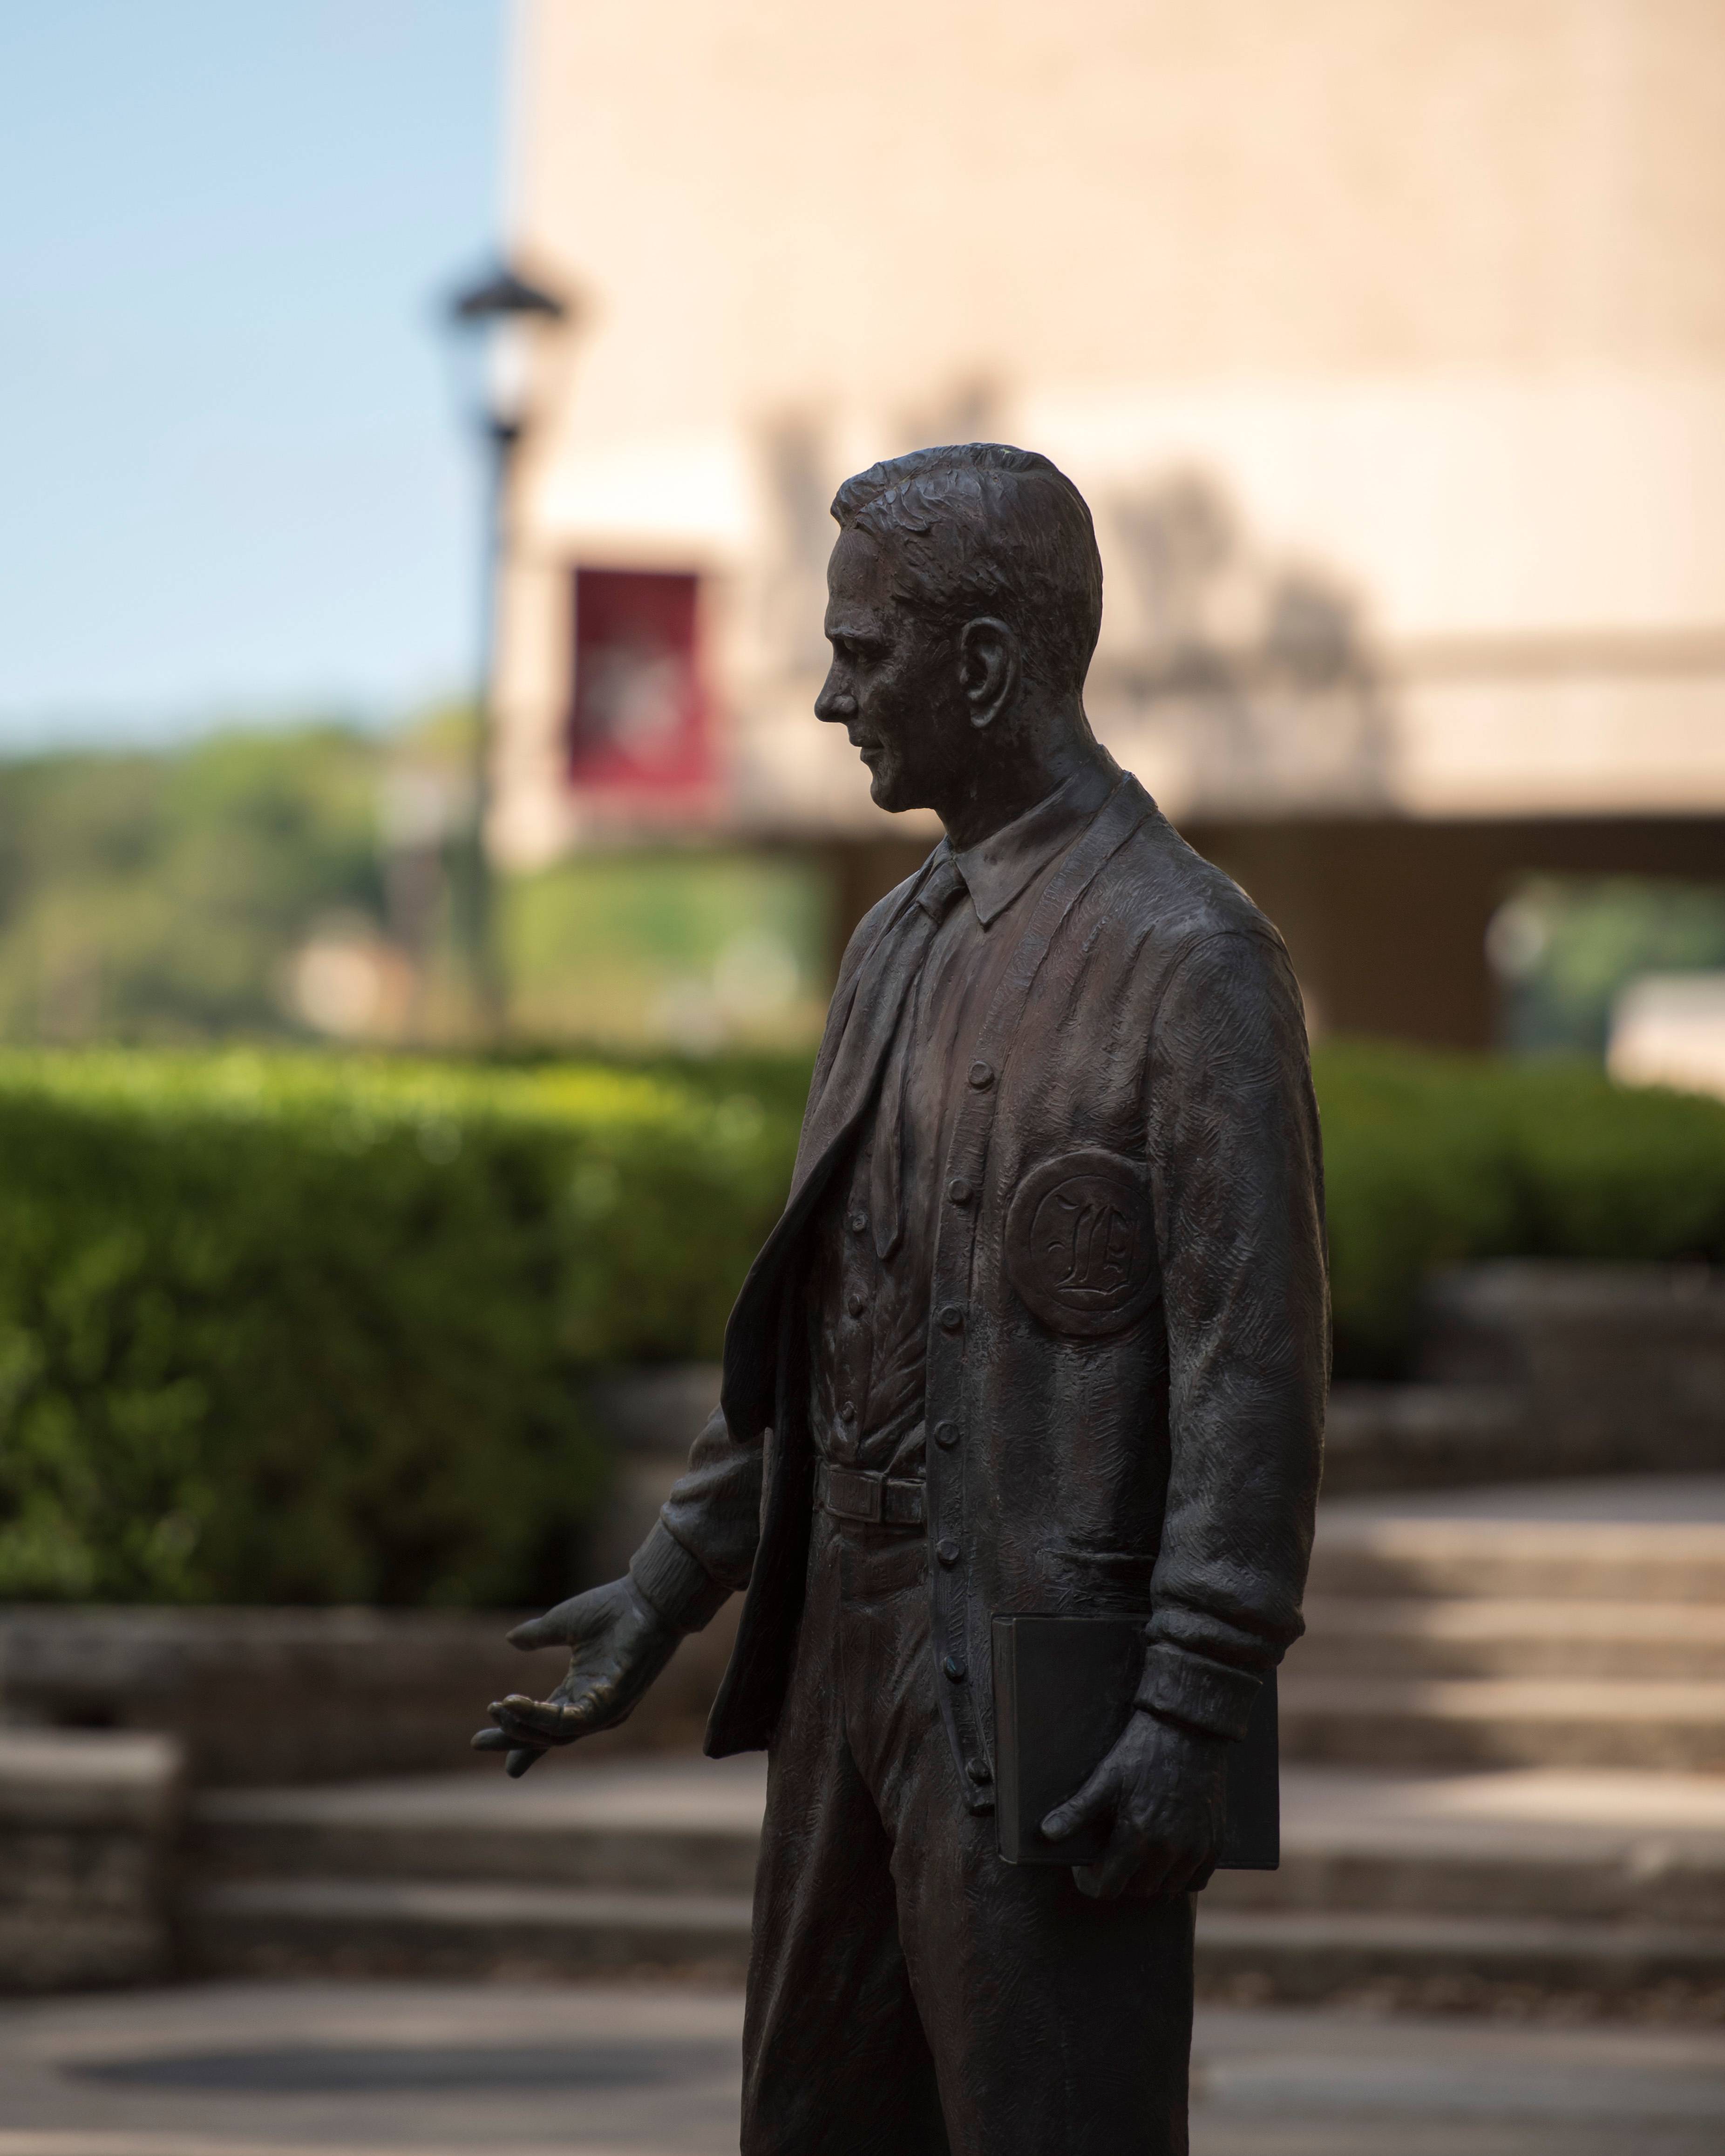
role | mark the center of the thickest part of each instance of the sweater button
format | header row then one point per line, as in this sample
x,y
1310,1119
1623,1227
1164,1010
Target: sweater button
x,y
951,1318
978,1770
981,1075
858,1220
946,1435
948,1552
958,1190
954,1669
856,1302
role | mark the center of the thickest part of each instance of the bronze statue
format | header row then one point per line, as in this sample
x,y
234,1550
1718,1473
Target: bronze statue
x,y
1042,1329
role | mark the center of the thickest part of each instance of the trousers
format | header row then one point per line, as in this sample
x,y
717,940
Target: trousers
x,y
909,1993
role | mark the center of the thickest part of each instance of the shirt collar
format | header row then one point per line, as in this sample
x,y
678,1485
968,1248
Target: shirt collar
x,y
999,869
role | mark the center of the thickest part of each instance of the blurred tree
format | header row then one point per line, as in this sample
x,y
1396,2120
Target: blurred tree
x,y
299,881
692,950
1563,947
154,896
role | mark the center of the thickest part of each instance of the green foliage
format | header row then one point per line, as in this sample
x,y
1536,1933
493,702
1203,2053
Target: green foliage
x,y
285,1329
1434,1160
696,946
1565,946
157,896
277,1327
161,896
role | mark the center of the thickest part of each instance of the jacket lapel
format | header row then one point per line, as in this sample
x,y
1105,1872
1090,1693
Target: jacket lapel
x,y
857,1038
860,1028
848,1070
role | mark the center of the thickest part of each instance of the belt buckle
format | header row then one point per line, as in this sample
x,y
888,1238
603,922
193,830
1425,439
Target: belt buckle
x,y
902,1503
859,1496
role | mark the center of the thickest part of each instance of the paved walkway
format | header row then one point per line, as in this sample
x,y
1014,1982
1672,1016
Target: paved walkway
x,y
348,2070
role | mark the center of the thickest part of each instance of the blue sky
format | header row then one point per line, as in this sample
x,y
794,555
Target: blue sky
x,y
234,484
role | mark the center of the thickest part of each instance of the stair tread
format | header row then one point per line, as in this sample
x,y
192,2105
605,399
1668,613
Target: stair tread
x,y
462,1901
526,1911
1509,1617
1615,1699
1439,1934
1610,1539
1324,1808
1404,1873
1618,1879
1605,1815
1684,1499
665,1797
1526,1546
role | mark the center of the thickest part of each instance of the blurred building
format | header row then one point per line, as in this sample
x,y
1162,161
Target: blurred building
x,y
1669,1029
1385,337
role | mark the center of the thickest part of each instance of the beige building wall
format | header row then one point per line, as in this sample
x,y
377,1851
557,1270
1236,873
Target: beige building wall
x,y
1386,338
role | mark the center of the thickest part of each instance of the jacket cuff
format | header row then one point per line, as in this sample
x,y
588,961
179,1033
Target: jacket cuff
x,y
1205,1695
676,1581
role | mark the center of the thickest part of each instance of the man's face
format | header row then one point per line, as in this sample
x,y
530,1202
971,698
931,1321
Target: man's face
x,y
893,685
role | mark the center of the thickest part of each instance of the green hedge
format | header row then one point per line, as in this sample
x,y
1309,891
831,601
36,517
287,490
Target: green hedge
x,y
290,1328
1433,1160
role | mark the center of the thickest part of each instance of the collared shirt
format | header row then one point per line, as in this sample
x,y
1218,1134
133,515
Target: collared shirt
x,y
868,1291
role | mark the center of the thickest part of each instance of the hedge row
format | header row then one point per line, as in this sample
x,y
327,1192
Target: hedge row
x,y
298,1329
290,1329
1434,1160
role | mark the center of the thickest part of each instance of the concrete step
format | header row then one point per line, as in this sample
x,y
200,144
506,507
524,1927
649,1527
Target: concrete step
x,y
89,1821
1360,1636
1450,1960
679,1826
1599,1842
1593,1846
1677,1890
1436,1887
1671,1723
282,1928
258,1697
437,1927
1395,1556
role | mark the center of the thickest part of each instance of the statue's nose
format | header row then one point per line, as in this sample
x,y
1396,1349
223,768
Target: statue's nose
x,y
834,703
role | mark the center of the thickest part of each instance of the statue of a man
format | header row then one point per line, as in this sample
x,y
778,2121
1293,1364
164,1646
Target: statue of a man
x,y
1044,1328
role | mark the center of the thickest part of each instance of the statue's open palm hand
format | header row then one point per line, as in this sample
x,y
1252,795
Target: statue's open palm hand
x,y
617,1644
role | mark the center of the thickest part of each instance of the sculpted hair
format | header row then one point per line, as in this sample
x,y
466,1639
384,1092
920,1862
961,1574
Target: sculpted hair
x,y
978,528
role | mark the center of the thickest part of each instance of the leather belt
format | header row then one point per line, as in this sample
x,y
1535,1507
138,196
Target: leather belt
x,y
850,1493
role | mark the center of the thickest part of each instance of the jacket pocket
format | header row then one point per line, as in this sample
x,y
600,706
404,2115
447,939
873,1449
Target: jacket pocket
x,y
1106,1580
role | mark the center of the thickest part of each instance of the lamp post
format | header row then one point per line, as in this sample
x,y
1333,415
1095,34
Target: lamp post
x,y
490,324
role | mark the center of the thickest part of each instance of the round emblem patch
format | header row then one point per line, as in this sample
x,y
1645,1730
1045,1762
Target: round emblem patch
x,y
1080,1245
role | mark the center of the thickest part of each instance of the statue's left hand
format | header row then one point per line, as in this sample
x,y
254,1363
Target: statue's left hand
x,y
1163,1788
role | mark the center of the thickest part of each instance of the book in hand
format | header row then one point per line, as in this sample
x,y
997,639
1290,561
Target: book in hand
x,y
1063,1690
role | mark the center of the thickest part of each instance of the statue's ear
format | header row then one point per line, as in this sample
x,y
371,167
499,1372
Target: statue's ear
x,y
989,667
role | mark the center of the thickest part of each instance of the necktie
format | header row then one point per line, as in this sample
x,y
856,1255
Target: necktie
x,y
886,1169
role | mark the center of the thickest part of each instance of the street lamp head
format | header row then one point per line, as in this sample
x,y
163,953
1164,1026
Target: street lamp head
x,y
503,296
492,319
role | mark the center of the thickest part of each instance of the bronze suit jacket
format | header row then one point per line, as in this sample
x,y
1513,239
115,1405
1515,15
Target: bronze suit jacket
x,y
1128,1330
